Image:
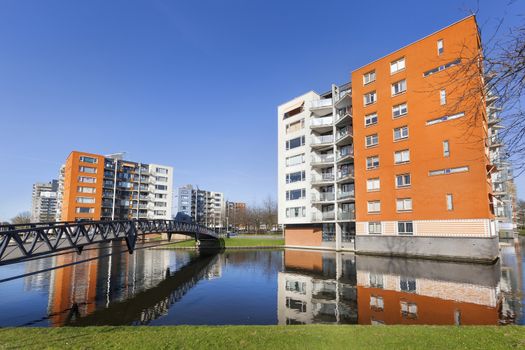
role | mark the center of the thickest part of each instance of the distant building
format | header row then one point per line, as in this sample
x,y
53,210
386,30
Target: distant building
x,y
204,207
97,187
235,212
44,203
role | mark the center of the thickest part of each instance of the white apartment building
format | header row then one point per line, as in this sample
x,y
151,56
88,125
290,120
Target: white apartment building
x,y
207,208
316,169
44,201
161,187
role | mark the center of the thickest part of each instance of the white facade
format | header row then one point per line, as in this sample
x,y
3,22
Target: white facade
x,y
44,201
161,188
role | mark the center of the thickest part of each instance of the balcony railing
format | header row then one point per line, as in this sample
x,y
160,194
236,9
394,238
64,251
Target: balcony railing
x,y
345,174
345,194
495,140
323,177
327,102
341,113
344,132
323,197
344,152
346,215
329,215
323,158
324,121
319,140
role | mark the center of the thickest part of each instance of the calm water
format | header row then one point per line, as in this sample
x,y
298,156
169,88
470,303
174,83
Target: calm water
x,y
166,287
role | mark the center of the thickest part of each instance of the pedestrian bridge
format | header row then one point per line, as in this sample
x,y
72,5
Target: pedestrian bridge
x,y
20,242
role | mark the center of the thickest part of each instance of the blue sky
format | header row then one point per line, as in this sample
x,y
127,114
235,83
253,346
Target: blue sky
x,y
191,84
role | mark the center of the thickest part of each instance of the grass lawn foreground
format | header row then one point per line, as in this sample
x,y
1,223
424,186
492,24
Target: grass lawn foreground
x,y
266,337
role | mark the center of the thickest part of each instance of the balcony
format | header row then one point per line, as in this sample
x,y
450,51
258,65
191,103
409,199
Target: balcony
x,y
343,115
325,103
323,140
344,97
346,215
323,197
346,195
345,175
322,179
322,124
495,141
322,159
345,153
324,216
344,134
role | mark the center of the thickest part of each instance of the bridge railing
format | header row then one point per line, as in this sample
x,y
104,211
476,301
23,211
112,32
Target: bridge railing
x,y
23,241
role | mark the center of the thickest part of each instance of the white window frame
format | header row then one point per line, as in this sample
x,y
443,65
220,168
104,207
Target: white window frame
x,y
440,47
368,167
373,184
442,97
397,65
448,171
370,98
404,156
399,108
446,149
403,176
399,87
375,225
289,161
403,204
369,119
407,233
371,138
450,201
369,77
373,207
403,133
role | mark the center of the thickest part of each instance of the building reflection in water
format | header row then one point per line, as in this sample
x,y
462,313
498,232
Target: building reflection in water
x,y
322,287
80,289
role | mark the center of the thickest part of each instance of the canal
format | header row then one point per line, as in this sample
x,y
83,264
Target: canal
x,y
107,286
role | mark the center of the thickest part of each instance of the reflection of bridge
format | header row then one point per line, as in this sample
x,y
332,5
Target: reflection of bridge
x,y
19,242
152,303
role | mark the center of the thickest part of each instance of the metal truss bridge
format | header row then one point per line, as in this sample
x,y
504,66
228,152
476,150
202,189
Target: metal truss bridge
x,y
25,241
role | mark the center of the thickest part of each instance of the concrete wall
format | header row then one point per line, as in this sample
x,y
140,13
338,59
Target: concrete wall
x,y
456,248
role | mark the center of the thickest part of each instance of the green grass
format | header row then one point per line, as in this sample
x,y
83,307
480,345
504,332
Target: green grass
x,y
521,231
266,337
235,242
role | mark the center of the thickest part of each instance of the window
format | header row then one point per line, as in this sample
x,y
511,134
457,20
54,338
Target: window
x,y
372,140
161,179
404,204
87,179
82,210
399,110
401,133
296,286
399,87
408,310
372,184
295,194
446,149
370,119
87,169
295,126
445,118
164,196
450,202
159,212
370,98
376,280
82,189
442,97
405,227
86,159
372,162
162,171
295,177
401,157
397,65
369,77
296,212
443,67
86,200
376,302
297,305
407,284
374,228
447,171
161,187
294,143
295,160
440,47
161,204
403,180
374,206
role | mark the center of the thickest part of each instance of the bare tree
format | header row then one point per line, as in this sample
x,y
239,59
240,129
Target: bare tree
x,y
21,218
269,211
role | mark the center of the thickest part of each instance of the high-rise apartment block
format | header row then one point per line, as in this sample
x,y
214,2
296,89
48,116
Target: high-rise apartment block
x,y
97,187
203,207
44,201
405,129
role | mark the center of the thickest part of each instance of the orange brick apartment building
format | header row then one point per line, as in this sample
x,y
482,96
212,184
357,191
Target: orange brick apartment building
x,y
421,165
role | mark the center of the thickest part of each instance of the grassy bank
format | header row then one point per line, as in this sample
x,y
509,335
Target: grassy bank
x,y
235,242
266,337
